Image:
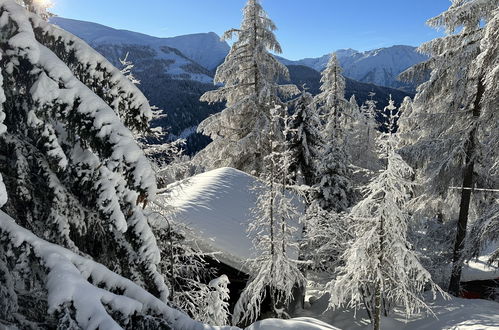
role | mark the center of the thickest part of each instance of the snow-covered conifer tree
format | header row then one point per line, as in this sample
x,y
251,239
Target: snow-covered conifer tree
x,y
369,110
486,67
75,177
361,137
453,110
331,100
306,140
250,89
390,117
379,260
407,127
335,191
272,232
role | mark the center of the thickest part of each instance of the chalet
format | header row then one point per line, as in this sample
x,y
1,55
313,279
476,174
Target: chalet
x,y
216,207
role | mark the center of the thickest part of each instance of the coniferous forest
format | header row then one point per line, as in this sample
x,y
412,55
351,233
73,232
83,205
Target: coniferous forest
x,y
307,207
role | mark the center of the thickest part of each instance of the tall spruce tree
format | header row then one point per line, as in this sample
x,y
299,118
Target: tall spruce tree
x,y
250,76
306,139
75,181
453,109
486,67
335,190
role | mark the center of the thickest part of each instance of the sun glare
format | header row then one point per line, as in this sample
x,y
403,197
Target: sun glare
x,y
44,3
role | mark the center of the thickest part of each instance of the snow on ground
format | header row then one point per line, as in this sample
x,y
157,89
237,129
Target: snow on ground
x,y
479,270
216,205
302,323
456,314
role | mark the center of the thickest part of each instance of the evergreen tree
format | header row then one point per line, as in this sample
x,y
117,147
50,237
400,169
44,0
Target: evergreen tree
x,y
407,125
75,177
453,110
250,89
331,100
380,260
361,138
306,140
335,191
390,117
272,231
486,67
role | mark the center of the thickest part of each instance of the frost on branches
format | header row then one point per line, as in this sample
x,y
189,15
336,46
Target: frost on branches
x,y
184,265
273,231
305,140
365,134
215,302
76,176
335,190
250,89
126,70
79,293
331,100
380,269
486,228
455,111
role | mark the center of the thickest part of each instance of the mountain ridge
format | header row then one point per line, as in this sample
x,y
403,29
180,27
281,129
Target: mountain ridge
x,y
191,45
174,82
378,66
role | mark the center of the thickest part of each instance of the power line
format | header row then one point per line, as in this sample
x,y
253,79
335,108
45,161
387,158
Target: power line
x,y
475,189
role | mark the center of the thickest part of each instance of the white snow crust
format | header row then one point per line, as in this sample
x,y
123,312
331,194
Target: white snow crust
x,y
302,323
216,205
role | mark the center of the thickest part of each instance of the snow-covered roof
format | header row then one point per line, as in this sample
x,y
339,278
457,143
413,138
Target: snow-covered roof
x,y
216,205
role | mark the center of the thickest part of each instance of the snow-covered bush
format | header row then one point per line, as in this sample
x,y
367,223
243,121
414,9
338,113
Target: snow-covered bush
x,y
215,307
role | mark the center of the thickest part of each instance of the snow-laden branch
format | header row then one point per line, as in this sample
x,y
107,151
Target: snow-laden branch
x,y
73,280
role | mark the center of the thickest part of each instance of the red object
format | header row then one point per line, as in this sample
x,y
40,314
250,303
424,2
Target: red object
x,y
471,295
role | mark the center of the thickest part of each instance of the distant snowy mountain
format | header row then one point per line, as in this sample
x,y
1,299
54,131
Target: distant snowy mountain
x,y
175,72
380,66
303,75
206,49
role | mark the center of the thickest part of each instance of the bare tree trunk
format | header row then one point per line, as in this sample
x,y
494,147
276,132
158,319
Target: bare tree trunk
x,y
378,293
457,267
377,308
367,305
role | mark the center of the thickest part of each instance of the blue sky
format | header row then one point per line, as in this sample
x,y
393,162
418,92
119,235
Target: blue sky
x,y
308,28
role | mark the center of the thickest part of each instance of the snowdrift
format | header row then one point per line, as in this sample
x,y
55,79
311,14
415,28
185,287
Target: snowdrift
x,y
302,323
216,206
